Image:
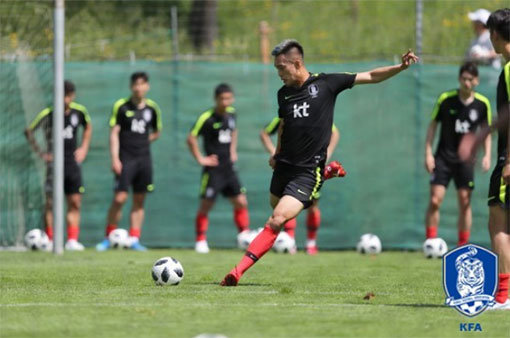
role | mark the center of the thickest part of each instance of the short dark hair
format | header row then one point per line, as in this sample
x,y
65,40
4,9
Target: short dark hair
x,y
69,88
222,88
139,75
286,45
469,67
499,21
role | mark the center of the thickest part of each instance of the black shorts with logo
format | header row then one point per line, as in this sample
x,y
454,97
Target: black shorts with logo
x,y
136,172
73,183
498,190
301,183
462,174
222,180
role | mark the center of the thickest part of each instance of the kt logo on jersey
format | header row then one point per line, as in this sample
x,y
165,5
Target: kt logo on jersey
x,y
470,275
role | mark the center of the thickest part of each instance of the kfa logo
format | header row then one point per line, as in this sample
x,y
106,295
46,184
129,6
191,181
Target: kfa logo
x,y
470,327
74,120
138,126
301,110
473,115
147,115
462,127
470,275
313,90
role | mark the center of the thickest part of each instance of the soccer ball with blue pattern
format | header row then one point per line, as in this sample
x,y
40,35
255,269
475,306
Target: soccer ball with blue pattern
x,y
167,271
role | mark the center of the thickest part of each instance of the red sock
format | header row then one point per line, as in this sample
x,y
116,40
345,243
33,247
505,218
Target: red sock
x,y
49,232
463,237
258,247
73,231
431,232
242,219
502,293
290,227
201,224
135,232
313,221
110,228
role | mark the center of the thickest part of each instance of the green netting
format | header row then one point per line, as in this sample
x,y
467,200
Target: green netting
x,y
382,133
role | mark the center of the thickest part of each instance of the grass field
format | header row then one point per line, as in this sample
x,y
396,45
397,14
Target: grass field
x,y
111,294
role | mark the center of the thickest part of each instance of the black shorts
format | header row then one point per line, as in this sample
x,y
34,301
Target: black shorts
x,y
220,180
73,183
498,190
136,172
462,174
303,184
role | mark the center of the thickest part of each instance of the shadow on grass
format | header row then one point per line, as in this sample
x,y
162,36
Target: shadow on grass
x,y
238,285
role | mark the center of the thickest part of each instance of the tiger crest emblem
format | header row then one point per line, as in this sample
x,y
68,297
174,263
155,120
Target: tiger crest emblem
x,y
470,278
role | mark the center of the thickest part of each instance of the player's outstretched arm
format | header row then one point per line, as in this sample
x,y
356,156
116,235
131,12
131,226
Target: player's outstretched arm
x,y
430,162
267,142
114,149
383,73
333,142
206,161
82,151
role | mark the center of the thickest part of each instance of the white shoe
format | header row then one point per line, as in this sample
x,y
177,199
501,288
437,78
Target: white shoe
x,y
74,245
500,306
202,247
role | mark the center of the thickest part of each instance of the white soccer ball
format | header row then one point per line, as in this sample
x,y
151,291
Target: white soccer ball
x,y
119,239
36,239
245,238
369,244
434,248
284,243
167,271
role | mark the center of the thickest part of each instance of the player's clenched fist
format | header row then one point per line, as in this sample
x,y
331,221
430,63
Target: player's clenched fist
x,y
117,166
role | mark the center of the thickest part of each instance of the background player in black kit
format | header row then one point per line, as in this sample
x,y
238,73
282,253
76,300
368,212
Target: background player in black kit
x,y
217,126
459,111
313,218
499,188
135,123
306,106
75,115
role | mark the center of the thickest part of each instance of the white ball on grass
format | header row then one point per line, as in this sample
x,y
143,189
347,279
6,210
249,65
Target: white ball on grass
x,y
119,239
167,271
284,243
36,239
434,248
369,244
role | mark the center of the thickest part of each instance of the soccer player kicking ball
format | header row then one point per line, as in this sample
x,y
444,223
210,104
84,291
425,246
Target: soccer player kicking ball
x,y
499,188
217,126
75,115
313,219
459,111
135,123
306,105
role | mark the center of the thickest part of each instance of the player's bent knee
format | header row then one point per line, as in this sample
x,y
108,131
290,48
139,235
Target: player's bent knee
x,y
435,202
277,221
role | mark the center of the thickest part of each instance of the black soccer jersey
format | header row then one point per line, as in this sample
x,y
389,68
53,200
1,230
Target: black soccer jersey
x,y
272,127
503,102
135,125
457,120
307,113
76,116
216,130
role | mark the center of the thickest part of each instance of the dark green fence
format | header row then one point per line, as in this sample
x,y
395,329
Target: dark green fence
x,y
382,133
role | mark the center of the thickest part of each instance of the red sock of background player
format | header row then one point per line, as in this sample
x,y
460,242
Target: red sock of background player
x,y
463,237
313,221
110,228
73,231
242,219
290,227
502,293
201,224
135,232
431,232
258,247
49,232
